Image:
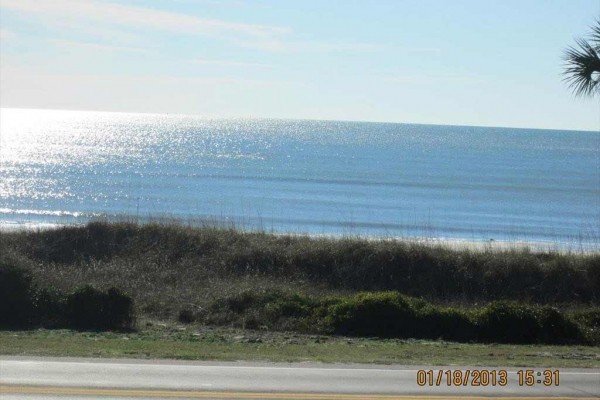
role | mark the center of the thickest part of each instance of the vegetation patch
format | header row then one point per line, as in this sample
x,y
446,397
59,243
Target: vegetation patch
x,y
170,267
355,287
392,315
24,305
195,341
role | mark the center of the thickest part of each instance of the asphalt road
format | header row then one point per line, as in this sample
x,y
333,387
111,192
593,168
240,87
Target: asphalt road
x,y
51,378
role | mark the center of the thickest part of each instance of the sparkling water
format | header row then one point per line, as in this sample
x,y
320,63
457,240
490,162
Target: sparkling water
x,y
316,177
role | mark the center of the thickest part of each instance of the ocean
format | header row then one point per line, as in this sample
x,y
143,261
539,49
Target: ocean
x,y
301,176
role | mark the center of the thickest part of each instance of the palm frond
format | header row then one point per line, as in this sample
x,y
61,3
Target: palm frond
x,y
595,35
582,69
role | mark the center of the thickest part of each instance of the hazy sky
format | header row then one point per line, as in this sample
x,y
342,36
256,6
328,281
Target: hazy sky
x,y
491,63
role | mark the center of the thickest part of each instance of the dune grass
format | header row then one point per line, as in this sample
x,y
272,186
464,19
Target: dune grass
x,y
167,268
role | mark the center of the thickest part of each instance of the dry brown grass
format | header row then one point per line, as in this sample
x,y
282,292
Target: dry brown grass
x,y
168,267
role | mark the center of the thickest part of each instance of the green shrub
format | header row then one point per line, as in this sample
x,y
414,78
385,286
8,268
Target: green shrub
x,y
50,308
558,328
86,308
390,314
186,316
245,300
121,313
16,306
271,309
507,322
23,305
383,314
89,308
288,305
589,320
446,323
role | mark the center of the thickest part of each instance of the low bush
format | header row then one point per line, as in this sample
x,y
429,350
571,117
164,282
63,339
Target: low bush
x,y
383,314
589,320
447,323
393,315
90,308
50,308
390,314
23,305
186,316
509,322
16,306
558,328
269,309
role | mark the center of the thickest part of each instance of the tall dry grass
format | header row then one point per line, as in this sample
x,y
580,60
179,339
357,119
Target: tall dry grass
x,y
168,267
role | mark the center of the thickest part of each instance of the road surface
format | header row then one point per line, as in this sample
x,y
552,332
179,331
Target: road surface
x,y
53,378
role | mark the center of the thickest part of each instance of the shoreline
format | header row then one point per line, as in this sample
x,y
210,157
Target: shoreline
x,y
480,245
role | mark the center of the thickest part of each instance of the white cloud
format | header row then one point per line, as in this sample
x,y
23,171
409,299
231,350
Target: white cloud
x,y
431,50
106,33
5,34
95,46
138,17
432,79
201,81
228,63
126,24
290,46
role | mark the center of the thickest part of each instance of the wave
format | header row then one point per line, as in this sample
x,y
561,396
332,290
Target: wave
x,y
49,213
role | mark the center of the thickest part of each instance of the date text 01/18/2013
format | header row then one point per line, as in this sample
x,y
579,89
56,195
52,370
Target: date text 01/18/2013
x,y
483,377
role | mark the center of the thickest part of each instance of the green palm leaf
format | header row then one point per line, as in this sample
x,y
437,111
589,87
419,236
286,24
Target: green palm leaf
x,y
582,68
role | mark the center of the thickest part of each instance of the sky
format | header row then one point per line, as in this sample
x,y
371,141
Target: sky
x,y
459,62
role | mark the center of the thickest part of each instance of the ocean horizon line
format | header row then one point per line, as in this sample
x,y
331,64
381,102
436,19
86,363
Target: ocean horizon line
x,y
296,119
